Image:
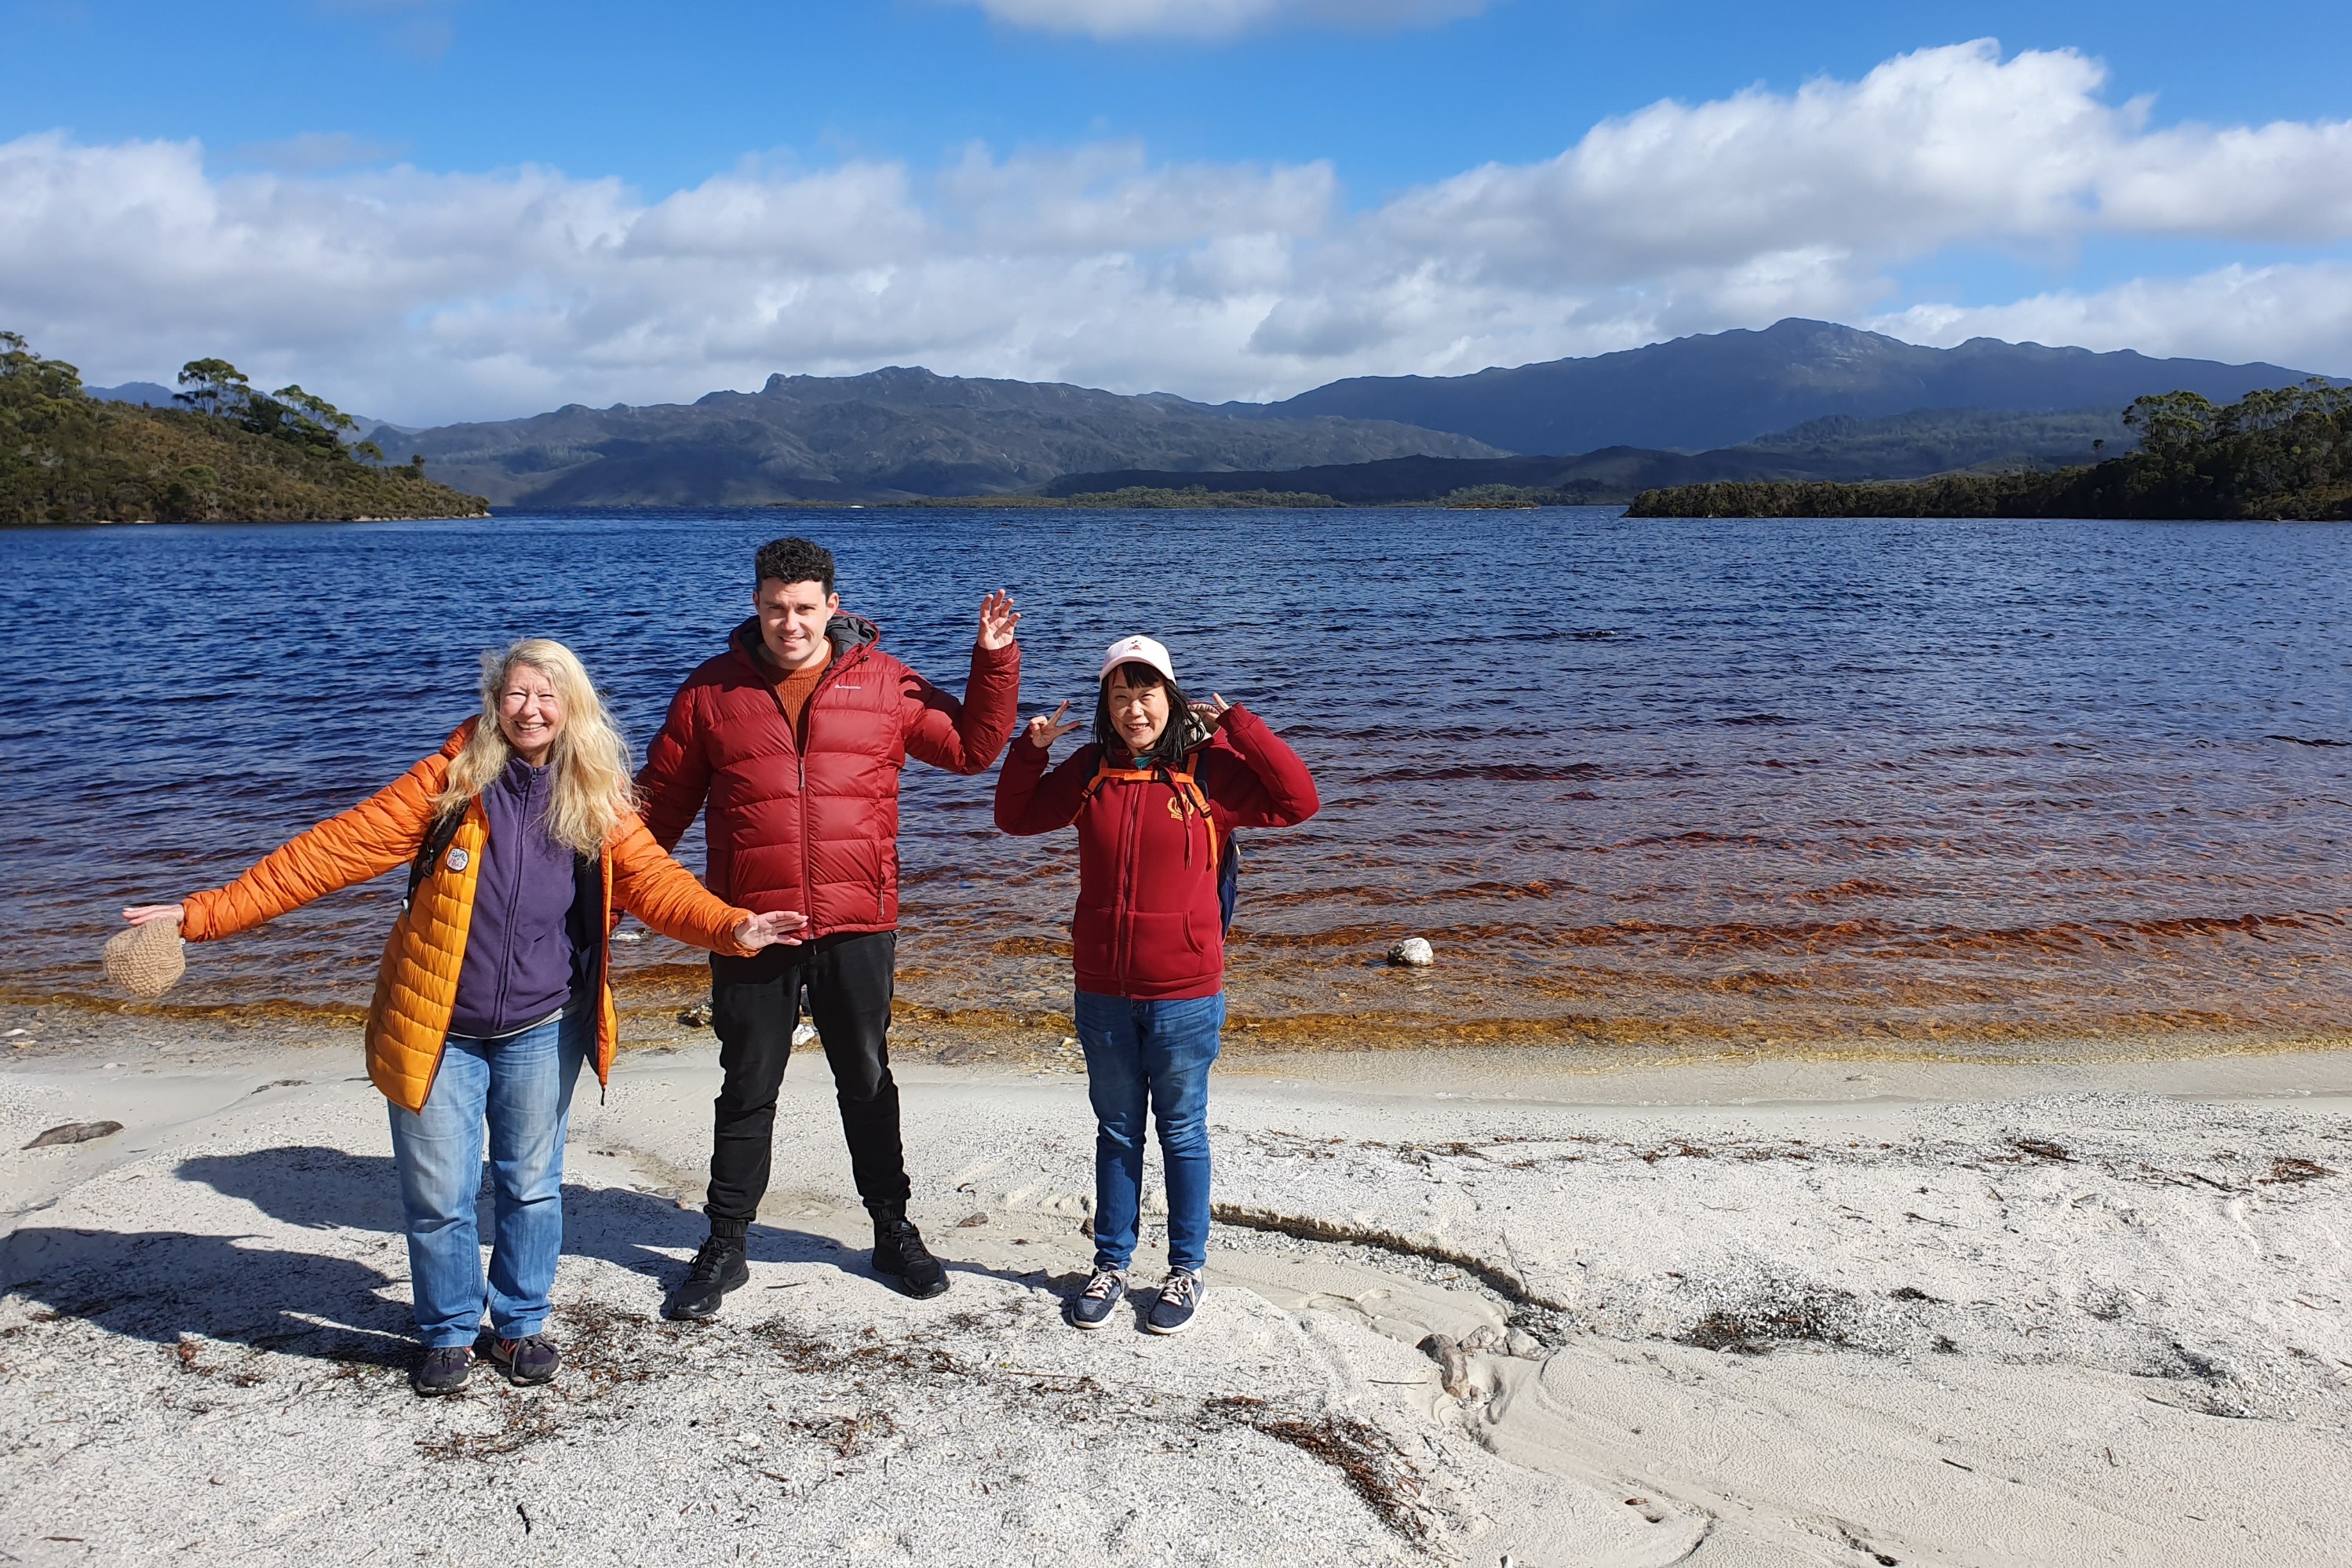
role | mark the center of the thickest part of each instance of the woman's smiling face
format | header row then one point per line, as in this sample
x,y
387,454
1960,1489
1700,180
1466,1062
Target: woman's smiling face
x,y
531,715
1138,713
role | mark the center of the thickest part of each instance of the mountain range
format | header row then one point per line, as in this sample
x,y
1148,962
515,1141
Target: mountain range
x,y
887,435
1736,405
1837,448
1718,390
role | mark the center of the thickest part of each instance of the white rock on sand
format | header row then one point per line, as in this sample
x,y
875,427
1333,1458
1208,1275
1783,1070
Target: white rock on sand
x,y
2100,1323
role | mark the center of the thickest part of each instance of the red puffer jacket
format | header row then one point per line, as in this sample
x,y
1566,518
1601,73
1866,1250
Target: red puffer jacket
x,y
817,832
1147,926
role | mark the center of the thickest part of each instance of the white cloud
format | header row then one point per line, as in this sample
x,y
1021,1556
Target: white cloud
x,y
422,296
1218,18
2298,315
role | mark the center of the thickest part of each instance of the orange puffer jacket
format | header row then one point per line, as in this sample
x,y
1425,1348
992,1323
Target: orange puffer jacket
x,y
417,984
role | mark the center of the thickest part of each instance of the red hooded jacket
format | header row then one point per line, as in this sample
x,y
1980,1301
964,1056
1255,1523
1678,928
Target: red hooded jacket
x,y
1147,926
816,832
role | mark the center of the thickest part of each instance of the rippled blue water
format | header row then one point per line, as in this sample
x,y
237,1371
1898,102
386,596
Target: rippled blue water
x,y
1738,781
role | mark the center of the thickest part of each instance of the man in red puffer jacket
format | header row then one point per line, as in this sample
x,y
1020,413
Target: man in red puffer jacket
x,y
795,737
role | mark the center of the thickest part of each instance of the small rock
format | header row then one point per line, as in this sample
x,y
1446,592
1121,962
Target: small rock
x,y
75,1133
1414,952
971,1220
1452,1366
1523,1344
697,1015
1485,1337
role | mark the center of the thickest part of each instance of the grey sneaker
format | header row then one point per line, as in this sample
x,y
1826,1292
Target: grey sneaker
x,y
532,1359
1179,1300
1092,1306
444,1369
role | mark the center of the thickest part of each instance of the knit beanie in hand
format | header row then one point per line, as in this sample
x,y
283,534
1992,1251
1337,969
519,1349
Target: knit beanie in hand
x,y
145,959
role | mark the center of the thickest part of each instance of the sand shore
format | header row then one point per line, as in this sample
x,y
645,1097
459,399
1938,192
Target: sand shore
x,y
1788,1312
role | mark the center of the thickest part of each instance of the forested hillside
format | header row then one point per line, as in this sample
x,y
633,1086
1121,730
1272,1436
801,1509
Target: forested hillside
x,y
232,455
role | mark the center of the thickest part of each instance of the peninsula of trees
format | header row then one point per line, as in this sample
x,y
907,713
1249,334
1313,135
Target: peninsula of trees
x,y
231,455
2284,454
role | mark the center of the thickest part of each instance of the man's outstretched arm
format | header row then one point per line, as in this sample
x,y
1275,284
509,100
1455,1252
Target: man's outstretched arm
x,y
965,737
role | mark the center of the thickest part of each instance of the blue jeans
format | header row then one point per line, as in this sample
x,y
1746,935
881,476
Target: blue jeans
x,y
522,1086
1156,1053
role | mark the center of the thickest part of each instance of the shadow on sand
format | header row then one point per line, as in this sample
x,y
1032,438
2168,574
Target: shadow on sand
x,y
161,1285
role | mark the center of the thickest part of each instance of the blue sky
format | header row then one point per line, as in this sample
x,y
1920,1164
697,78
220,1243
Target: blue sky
x,y
346,131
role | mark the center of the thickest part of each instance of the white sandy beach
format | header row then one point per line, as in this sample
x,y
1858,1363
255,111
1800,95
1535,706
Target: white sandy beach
x,y
1828,1312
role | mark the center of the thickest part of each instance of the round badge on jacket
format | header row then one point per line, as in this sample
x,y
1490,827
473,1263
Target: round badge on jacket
x,y
456,859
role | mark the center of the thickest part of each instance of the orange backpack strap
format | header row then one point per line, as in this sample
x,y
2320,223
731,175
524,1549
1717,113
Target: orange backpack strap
x,y
1187,787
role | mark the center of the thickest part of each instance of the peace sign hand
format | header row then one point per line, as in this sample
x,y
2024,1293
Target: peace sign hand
x,y
1047,728
1212,713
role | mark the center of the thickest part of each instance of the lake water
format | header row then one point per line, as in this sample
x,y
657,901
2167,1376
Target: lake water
x,y
1708,785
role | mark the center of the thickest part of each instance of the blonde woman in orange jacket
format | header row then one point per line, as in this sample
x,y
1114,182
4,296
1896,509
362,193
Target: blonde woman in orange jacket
x,y
495,984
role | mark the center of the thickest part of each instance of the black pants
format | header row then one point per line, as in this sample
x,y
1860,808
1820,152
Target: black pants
x,y
754,1007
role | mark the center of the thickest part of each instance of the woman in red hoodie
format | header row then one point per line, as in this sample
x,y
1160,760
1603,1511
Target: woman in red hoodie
x,y
1155,800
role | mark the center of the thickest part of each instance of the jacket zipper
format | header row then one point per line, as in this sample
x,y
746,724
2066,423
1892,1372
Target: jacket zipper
x,y
604,963
800,763
1132,832
514,895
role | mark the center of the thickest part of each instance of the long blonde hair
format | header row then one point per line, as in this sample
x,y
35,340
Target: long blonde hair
x,y
589,760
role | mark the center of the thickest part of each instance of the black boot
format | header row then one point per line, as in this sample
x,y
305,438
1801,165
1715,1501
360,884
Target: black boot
x,y
717,1269
898,1250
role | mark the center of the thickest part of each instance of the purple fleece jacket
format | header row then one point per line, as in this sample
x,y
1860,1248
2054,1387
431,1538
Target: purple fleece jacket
x,y
518,963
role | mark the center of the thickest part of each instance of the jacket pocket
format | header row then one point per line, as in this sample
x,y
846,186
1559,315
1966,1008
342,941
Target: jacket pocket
x,y
1164,948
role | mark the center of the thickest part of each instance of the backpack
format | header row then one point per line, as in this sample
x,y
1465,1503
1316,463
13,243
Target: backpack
x,y
1223,853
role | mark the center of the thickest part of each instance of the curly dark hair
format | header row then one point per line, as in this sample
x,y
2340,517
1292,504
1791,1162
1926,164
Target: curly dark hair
x,y
792,561
1177,737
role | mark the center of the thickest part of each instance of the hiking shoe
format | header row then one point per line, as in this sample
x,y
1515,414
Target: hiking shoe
x,y
532,1359
444,1369
898,1250
717,1269
1092,1306
1179,1300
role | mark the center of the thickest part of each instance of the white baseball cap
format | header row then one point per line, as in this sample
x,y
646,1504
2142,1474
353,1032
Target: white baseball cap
x,y
1137,651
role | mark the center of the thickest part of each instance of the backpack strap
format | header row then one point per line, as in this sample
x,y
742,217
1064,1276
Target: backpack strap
x,y
438,838
1186,785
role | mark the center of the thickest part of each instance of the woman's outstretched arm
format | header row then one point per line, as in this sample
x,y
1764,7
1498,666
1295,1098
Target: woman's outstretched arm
x,y
373,838
664,894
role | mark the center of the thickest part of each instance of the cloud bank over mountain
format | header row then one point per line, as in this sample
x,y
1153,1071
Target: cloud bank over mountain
x,y
427,296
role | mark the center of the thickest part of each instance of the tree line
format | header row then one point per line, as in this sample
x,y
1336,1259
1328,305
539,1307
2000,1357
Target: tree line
x,y
2283,453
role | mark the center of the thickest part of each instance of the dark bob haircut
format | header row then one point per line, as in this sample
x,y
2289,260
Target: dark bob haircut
x,y
1177,737
792,561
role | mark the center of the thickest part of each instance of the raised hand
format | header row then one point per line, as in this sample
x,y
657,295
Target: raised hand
x,y
140,914
777,928
1047,728
997,619
1212,713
